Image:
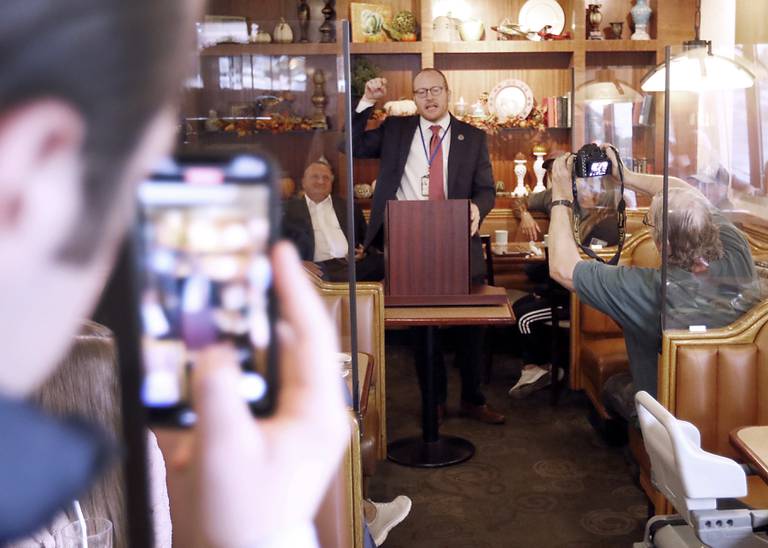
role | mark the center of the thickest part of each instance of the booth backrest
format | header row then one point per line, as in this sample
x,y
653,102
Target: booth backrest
x,y
718,380
339,520
594,323
370,337
504,219
588,324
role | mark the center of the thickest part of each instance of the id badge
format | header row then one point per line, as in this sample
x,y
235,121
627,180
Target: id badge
x,y
425,185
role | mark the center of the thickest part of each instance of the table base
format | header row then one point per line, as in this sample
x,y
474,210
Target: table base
x,y
414,451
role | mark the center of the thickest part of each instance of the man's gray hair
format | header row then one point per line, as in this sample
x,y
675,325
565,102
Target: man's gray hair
x,y
322,161
692,233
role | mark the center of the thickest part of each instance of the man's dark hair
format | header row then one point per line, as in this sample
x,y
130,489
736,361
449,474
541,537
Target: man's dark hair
x,y
117,62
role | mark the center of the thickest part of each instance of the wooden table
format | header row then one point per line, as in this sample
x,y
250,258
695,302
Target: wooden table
x,y
506,264
752,442
521,251
432,450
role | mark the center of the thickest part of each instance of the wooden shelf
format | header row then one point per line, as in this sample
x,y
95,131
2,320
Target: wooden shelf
x,y
384,48
521,129
387,48
222,50
505,46
620,45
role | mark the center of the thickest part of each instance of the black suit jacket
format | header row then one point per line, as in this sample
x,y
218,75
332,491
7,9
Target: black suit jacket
x,y
469,169
297,224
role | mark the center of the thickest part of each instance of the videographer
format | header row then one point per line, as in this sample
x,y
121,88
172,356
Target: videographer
x,y
711,274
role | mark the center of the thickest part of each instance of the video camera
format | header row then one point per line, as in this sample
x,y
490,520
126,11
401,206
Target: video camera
x,y
591,162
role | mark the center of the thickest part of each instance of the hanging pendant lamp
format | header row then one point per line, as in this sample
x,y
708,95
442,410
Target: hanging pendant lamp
x,y
606,88
698,69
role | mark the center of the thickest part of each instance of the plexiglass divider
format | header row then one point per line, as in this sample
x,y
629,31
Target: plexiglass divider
x,y
259,86
344,91
715,209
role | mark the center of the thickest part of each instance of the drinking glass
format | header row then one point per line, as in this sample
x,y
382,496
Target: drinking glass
x,y
98,534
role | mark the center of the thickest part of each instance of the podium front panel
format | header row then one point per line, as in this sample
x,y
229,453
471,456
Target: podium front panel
x,y
427,248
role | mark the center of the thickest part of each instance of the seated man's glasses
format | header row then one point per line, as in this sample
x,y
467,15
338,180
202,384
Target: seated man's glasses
x,y
434,91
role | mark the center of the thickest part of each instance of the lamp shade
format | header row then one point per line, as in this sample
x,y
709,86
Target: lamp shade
x,y
613,91
698,70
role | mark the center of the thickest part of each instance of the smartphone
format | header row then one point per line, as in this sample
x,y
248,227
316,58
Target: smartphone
x,y
204,232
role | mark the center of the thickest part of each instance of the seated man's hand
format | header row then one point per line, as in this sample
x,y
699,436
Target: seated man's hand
x,y
375,89
562,188
359,252
529,227
258,478
474,216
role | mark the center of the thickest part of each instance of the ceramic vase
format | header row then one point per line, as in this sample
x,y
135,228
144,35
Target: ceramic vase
x,y
539,171
595,18
520,171
641,15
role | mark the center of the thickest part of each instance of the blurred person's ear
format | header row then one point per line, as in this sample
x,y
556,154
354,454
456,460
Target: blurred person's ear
x,y
44,298
40,179
40,171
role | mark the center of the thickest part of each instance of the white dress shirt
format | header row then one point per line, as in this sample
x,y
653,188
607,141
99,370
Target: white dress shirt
x,y
330,241
417,164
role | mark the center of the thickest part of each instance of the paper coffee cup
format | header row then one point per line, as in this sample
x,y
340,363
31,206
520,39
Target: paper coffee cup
x,y
501,237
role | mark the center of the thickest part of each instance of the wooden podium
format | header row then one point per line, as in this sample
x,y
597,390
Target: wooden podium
x,y
427,255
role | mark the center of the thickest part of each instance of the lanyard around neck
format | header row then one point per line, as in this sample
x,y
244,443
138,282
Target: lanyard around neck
x,y
430,158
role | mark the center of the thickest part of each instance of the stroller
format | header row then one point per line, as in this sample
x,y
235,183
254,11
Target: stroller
x,y
693,480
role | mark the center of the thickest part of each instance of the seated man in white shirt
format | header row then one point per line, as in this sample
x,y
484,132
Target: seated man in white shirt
x,y
316,223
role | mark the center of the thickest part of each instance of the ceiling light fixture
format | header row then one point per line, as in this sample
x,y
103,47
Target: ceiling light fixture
x,y
697,69
606,88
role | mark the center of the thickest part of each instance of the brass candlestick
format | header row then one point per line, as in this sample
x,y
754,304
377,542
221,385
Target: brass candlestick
x,y
319,100
327,29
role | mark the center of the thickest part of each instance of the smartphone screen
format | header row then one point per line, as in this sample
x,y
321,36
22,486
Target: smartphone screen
x,y
206,225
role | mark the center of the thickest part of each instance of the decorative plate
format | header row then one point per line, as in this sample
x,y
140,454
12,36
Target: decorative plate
x,y
537,14
511,99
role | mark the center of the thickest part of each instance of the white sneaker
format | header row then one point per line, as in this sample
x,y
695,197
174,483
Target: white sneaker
x,y
529,376
520,391
388,514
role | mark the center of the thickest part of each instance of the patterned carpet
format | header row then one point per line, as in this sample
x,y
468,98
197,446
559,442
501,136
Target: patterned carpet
x,y
544,479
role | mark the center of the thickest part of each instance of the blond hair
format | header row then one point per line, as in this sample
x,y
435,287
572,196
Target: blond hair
x,y
86,385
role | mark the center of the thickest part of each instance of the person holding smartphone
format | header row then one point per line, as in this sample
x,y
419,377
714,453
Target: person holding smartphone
x,y
86,108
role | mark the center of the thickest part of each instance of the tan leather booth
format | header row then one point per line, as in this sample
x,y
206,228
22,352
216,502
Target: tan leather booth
x,y
370,339
597,342
340,520
717,381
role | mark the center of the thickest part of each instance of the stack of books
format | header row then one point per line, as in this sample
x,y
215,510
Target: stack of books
x,y
558,110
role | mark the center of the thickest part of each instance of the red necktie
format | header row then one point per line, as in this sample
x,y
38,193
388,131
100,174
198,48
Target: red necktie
x,y
436,168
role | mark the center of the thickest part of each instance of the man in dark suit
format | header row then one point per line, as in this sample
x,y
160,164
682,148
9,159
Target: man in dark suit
x,y
317,223
432,156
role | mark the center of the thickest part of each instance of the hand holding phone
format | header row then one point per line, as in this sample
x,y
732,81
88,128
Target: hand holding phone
x,y
265,478
205,229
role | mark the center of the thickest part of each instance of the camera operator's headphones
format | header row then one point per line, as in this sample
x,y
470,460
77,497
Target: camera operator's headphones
x,y
621,214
